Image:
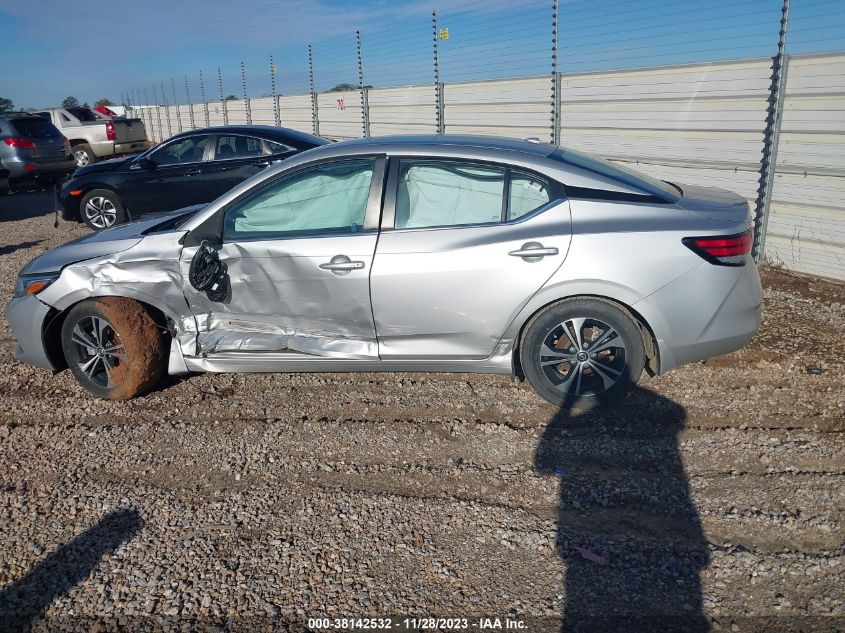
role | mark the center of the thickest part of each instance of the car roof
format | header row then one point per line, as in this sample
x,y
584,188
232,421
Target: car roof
x,y
262,130
468,141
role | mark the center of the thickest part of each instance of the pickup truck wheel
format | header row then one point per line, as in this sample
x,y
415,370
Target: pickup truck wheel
x,y
101,209
113,347
84,155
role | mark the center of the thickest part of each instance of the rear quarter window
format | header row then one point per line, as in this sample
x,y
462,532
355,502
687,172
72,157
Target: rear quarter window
x,y
35,127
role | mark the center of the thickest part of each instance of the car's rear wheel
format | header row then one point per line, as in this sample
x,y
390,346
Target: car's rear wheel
x,y
101,209
582,353
84,155
113,347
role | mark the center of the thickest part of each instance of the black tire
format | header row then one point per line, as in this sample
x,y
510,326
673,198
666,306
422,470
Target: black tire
x,y
84,154
101,209
113,347
606,374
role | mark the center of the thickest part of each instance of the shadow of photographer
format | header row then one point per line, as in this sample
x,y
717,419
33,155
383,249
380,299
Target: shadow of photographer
x,y
628,532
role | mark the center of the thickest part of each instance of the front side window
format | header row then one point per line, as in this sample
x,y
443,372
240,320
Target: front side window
x,y
330,198
186,150
447,193
237,147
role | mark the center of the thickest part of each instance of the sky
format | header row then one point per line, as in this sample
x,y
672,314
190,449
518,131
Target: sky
x,y
53,49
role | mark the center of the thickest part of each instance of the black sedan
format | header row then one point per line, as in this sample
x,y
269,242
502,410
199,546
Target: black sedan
x,y
189,168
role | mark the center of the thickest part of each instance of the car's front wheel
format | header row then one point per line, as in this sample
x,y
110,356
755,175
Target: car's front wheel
x,y
113,347
101,209
582,353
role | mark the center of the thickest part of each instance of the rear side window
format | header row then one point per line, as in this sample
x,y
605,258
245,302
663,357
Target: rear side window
x,y
451,193
278,148
35,127
448,194
527,193
237,147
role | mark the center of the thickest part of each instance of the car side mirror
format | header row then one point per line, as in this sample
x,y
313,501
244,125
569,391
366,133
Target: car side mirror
x,y
206,268
145,163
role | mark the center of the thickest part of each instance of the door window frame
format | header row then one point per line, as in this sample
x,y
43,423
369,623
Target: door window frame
x,y
556,192
212,228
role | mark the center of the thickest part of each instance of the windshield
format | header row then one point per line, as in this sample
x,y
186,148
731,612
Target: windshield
x,y
625,175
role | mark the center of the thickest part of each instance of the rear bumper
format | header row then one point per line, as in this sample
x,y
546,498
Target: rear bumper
x,y
31,171
111,149
26,316
710,311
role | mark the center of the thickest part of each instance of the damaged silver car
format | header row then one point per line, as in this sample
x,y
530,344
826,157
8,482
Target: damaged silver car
x,y
437,253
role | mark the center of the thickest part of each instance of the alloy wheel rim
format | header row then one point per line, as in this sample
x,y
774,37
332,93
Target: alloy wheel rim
x,y
583,356
81,158
98,350
100,212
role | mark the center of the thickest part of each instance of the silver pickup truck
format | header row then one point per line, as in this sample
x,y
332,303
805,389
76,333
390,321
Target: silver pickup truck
x,y
93,136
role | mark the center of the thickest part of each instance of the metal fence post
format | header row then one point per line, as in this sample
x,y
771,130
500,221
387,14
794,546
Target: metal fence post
x,y
190,105
176,105
555,78
276,113
167,110
365,98
247,107
204,101
315,113
158,115
771,137
222,96
438,87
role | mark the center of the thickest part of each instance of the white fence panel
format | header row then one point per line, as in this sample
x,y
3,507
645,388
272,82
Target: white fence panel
x,y
262,111
340,114
296,112
407,110
517,108
237,111
807,223
700,123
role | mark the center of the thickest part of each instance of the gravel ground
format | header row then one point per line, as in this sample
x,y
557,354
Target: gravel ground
x,y
713,497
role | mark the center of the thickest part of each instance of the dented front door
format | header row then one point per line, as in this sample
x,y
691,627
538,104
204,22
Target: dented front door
x,y
308,295
297,253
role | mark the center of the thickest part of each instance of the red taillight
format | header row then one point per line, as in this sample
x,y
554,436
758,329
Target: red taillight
x,y
110,133
20,143
724,250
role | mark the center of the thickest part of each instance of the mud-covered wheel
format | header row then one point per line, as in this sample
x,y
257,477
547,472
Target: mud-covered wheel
x,y
113,347
582,353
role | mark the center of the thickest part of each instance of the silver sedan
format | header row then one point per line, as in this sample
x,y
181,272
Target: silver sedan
x,y
435,253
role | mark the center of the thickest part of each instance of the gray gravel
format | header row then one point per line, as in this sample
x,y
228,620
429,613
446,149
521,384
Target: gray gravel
x,y
712,498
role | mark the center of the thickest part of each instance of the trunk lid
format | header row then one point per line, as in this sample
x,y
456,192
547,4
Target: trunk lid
x,y
710,203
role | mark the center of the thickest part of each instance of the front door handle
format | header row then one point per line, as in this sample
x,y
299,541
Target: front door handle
x,y
534,251
193,172
342,265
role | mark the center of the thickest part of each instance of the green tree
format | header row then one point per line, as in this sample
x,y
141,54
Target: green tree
x,y
86,106
105,101
343,87
6,105
231,98
70,102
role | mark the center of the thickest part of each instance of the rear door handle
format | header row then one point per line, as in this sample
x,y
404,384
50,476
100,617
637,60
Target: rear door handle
x,y
193,172
342,265
534,251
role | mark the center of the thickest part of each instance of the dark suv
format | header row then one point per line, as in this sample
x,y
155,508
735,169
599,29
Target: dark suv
x,y
33,150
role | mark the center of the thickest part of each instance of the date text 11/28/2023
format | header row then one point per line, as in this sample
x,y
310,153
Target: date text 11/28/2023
x,y
417,624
